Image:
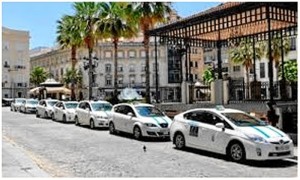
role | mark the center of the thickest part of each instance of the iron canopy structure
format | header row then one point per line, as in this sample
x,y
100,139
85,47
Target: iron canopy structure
x,y
227,24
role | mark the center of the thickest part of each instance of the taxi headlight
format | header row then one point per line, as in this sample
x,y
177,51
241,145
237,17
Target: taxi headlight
x,y
256,138
150,125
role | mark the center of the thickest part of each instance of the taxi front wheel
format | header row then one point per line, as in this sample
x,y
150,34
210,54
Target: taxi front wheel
x,y
137,133
236,152
179,141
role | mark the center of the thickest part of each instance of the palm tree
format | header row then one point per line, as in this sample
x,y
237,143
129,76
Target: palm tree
x,y
243,54
276,49
68,30
150,13
88,15
279,47
71,76
38,75
117,22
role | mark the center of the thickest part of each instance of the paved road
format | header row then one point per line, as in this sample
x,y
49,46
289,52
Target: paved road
x,y
65,150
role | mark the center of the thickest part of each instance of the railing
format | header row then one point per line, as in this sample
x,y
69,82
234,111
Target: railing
x,y
259,91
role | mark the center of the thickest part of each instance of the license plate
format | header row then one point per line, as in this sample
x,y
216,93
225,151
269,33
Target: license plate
x,y
164,131
282,148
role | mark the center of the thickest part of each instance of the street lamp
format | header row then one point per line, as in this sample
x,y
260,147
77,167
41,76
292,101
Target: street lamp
x,y
90,64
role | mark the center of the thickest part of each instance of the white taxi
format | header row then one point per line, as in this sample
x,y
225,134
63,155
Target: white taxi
x,y
64,111
93,113
230,132
139,119
45,108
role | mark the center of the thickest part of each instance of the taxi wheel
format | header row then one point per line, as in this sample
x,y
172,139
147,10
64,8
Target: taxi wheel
x,y
53,117
64,119
46,115
179,141
76,121
137,133
236,152
37,114
112,129
92,124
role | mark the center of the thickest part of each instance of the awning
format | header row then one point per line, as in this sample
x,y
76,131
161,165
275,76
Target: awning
x,y
35,90
63,90
58,90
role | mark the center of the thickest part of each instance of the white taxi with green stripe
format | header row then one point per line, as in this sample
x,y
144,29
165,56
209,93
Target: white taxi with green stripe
x,y
231,132
139,119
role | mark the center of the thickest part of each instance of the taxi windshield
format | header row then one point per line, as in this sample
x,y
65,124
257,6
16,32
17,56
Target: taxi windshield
x,y
242,119
51,103
148,111
101,106
71,105
34,102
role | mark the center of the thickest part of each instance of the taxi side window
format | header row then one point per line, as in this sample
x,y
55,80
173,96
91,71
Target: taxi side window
x,y
195,116
82,106
120,109
129,110
213,119
88,107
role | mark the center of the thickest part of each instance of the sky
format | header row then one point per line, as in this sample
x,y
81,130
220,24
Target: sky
x,y
40,18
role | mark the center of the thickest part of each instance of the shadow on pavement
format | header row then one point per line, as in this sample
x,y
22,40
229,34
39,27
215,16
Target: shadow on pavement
x,y
263,164
144,139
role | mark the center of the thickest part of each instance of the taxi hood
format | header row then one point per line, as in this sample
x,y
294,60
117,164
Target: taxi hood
x,y
102,113
157,119
269,133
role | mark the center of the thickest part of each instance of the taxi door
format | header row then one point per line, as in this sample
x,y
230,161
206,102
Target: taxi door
x,y
195,133
215,138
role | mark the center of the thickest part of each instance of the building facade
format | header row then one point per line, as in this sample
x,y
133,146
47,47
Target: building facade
x,y
131,69
15,63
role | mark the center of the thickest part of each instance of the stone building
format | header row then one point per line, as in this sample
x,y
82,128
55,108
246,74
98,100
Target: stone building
x,y
15,63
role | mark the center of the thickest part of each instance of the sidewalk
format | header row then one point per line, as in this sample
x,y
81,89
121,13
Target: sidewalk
x,y
15,163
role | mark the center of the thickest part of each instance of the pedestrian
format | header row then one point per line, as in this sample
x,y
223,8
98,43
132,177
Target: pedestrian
x,y
271,114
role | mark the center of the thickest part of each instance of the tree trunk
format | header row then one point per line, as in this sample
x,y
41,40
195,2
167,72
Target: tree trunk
x,y
115,42
146,45
73,59
247,83
90,74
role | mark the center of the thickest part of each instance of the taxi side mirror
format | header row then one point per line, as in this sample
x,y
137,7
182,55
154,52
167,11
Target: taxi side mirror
x,y
221,126
130,114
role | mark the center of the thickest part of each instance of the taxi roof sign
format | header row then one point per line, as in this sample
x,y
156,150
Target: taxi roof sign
x,y
220,107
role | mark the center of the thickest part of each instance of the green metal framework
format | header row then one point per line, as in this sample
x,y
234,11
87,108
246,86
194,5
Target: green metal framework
x,y
229,23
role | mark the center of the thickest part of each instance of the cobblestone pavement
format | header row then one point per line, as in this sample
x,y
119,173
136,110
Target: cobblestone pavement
x,y
66,150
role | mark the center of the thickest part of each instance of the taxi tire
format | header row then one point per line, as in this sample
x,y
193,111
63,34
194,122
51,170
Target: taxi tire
x,y
76,121
37,114
92,124
112,129
137,133
52,117
46,115
64,119
179,141
236,151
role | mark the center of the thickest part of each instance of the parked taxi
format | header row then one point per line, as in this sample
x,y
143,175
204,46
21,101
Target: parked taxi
x,y
139,119
93,113
230,132
64,111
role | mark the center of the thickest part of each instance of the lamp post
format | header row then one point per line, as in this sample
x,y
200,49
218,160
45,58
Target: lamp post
x,y
90,64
